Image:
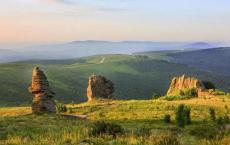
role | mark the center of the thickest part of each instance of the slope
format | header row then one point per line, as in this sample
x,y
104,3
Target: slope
x,y
135,77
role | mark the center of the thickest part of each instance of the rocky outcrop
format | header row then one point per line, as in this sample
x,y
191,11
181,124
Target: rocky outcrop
x,y
182,83
99,88
42,99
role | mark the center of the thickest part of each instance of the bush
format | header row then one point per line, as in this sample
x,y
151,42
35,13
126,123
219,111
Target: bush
x,y
143,132
219,92
155,96
183,115
223,120
61,108
167,118
191,93
183,95
187,112
171,98
206,131
220,121
208,85
103,128
70,110
164,139
226,119
212,114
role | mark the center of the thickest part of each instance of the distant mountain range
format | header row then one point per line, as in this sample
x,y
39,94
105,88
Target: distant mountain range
x,y
200,45
78,49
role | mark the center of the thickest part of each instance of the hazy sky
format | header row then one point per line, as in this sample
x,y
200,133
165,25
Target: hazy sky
x,y
157,20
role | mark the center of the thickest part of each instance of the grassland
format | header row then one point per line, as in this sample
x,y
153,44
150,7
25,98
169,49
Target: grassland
x,y
135,77
141,119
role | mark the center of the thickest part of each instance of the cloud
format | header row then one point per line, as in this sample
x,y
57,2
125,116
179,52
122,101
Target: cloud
x,y
111,9
85,5
60,1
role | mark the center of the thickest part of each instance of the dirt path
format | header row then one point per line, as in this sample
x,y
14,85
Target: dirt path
x,y
102,61
75,116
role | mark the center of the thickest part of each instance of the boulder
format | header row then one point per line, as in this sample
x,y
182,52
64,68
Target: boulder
x,y
42,99
99,88
183,83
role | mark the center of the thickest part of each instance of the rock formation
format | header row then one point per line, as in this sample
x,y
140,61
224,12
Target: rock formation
x,y
99,87
42,99
182,83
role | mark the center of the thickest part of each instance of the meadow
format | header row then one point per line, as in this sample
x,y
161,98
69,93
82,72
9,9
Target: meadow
x,y
142,121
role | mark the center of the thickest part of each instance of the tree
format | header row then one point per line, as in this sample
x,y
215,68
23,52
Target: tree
x,y
183,115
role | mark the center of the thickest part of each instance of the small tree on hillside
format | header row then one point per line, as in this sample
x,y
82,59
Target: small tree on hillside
x,y
187,112
212,114
183,115
180,116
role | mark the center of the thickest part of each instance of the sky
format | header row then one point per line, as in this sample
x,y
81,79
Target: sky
x,y
48,21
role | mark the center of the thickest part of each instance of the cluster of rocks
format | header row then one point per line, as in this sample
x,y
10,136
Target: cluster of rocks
x,y
98,88
42,99
183,82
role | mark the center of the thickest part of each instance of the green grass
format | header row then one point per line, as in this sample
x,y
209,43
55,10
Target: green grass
x,y
134,77
142,121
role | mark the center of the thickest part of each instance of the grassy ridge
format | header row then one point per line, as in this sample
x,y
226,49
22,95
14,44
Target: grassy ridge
x,y
135,77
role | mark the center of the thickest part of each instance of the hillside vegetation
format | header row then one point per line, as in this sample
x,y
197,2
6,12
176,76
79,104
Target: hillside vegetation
x,y
216,60
135,77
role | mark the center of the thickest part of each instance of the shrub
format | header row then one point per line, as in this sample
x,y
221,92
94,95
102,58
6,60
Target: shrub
x,y
187,112
164,139
180,116
171,98
183,115
167,118
183,95
61,107
220,121
70,110
103,128
212,114
155,96
143,132
219,92
226,119
205,131
191,93
208,85
223,120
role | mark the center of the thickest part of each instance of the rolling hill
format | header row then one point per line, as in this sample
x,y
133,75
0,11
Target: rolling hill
x,y
135,77
216,60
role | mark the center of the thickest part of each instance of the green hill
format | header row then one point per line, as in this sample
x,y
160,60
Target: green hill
x,y
135,77
216,60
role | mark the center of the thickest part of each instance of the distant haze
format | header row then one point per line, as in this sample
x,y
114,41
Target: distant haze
x,y
78,49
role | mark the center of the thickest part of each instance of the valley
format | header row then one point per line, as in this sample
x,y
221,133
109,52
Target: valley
x,y
134,76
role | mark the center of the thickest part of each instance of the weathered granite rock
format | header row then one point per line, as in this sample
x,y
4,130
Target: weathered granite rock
x,y
183,83
42,99
99,87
